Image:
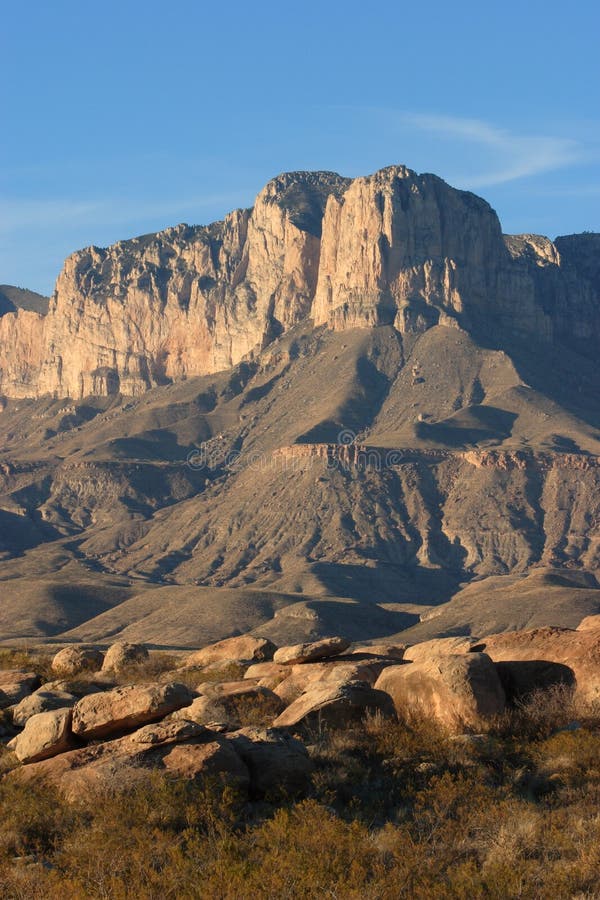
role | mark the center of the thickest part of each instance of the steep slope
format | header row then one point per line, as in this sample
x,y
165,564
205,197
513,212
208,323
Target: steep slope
x,y
245,483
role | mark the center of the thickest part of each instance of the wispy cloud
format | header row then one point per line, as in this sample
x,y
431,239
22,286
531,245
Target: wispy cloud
x,y
515,155
18,213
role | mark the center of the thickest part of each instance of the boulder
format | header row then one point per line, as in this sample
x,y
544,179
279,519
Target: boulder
x,y
122,655
45,735
182,748
458,690
306,653
278,763
74,660
230,703
244,649
15,684
124,708
575,653
304,677
439,647
41,701
335,705
268,674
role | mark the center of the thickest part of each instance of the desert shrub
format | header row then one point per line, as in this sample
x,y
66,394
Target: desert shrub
x,y
34,818
257,711
539,714
396,810
150,669
231,672
38,661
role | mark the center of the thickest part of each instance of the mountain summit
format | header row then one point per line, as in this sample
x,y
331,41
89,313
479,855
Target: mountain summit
x,y
394,248
357,407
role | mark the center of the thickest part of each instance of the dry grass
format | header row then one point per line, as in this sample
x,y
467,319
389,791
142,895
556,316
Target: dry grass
x,y
38,661
396,810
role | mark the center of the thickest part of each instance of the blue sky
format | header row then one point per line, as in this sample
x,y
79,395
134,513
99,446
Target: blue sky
x,y
123,118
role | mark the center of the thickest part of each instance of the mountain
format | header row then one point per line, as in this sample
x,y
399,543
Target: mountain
x,y
357,407
15,298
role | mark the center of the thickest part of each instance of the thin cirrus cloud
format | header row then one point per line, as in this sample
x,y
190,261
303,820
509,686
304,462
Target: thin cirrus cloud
x,y
17,213
514,155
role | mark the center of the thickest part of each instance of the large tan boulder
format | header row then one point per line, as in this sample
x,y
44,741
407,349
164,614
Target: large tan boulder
x,y
574,656
124,708
122,655
15,684
41,701
304,677
74,660
245,648
278,763
458,690
45,735
439,647
306,653
230,703
181,748
335,705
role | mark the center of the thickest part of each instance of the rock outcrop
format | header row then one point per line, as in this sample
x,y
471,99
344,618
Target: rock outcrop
x,y
126,708
457,690
74,660
45,735
541,656
243,649
42,700
335,705
392,248
123,654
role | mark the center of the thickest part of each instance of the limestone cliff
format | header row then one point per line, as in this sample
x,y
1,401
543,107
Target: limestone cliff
x,y
393,248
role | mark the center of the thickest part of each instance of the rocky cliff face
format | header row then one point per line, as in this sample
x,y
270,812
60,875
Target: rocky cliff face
x,y
394,248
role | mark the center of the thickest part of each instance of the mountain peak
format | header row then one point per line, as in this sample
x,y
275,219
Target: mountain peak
x,y
392,248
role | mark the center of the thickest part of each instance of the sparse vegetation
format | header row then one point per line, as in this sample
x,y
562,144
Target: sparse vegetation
x,y
34,660
395,810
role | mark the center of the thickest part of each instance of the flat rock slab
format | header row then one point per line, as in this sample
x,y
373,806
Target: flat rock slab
x,y
306,653
335,705
439,647
124,708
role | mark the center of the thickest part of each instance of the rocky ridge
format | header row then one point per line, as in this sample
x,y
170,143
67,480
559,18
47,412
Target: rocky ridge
x,y
394,248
